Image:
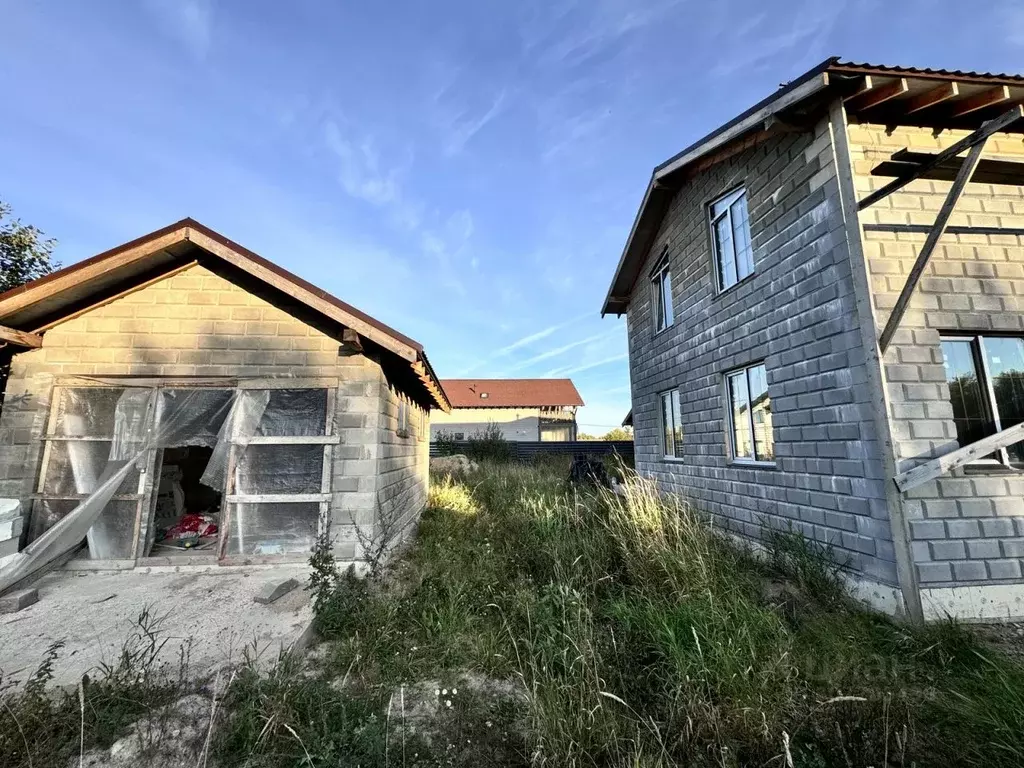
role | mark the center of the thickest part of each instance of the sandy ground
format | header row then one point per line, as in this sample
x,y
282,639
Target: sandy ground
x,y
94,612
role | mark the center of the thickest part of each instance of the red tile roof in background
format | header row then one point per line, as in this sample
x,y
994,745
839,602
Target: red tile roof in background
x,y
510,393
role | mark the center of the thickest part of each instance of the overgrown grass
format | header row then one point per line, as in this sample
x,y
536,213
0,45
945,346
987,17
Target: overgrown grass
x,y
534,623
638,636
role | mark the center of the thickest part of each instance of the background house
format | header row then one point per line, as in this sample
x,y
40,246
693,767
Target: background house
x,y
205,379
524,409
778,379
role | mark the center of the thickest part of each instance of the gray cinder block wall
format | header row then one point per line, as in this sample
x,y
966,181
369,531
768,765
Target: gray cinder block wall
x,y
967,528
196,323
798,314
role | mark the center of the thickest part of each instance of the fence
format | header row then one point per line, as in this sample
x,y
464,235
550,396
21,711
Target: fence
x,y
523,451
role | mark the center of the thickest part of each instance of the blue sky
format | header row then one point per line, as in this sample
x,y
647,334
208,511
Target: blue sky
x,y
464,171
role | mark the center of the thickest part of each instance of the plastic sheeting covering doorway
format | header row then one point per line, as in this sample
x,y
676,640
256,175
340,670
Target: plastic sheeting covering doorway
x,y
100,447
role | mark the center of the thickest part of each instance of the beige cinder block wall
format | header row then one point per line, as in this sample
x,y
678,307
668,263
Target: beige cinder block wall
x,y
515,423
196,323
967,527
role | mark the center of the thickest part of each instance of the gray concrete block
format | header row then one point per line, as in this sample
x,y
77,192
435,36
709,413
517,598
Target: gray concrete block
x,y
275,590
931,573
1004,569
969,570
15,601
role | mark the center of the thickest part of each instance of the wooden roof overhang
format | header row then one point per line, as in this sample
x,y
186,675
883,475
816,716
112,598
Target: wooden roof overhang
x,y
936,99
27,311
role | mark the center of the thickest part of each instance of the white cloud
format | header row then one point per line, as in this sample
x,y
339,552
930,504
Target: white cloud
x,y
461,128
189,21
359,168
584,366
558,351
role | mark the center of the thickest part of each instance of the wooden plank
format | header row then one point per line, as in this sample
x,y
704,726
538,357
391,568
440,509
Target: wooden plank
x,y
864,85
992,126
966,171
945,464
877,95
877,389
932,97
20,338
276,498
1000,172
295,440
988,98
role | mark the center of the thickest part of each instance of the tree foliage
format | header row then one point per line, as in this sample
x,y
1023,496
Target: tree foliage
x,y
619,433
25,254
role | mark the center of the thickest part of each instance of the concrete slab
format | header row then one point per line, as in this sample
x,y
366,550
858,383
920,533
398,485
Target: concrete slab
x,y
275,590
93,613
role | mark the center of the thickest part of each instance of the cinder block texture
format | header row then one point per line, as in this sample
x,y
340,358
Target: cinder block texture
x,y
974,284
198,323
798,315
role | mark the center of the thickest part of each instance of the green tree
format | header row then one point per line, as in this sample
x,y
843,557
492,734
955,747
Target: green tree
x,y
619,433
24,251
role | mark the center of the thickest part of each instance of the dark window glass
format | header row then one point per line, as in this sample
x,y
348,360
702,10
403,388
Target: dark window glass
x,y
966,392
1005,359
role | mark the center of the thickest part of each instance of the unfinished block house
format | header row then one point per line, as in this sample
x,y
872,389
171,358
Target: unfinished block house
x,y
180,399
825,302
524,410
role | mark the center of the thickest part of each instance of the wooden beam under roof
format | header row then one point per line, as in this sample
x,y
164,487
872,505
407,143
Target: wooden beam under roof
x,y
20,338
988,98
903,162
932,97
992,126
962,177
877,95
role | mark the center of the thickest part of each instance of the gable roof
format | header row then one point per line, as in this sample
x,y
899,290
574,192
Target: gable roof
x,y
871,92
511,393
44,302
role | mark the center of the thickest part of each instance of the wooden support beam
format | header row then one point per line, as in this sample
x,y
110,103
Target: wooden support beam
x,y
876,96
351,344
20,338
966,171
992,126
919,475
932,97
863,85
988,98
1000,172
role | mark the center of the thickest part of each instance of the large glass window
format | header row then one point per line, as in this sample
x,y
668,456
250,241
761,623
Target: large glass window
x,y
750,415
730,232
672,424
661,297
986,388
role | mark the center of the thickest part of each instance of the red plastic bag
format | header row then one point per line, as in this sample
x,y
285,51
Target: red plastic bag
x,y
192,525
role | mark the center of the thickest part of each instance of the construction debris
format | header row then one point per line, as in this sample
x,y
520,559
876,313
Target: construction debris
x,y
274,590
13,602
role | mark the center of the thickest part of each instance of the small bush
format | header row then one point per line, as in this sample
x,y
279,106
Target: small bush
x,y
489,444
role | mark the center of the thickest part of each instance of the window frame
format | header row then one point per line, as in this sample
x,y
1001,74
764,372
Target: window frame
x,y
662,309
230,497
730,420
402,425
670,413
731,197
980,358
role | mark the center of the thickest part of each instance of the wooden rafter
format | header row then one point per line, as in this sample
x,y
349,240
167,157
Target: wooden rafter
x,y
20,338
966,171
930,470
992,126
878,95
989,98
932,97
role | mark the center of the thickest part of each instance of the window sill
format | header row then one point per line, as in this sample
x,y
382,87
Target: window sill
x,y
673,460
402,433
752,464
667,328
734,286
